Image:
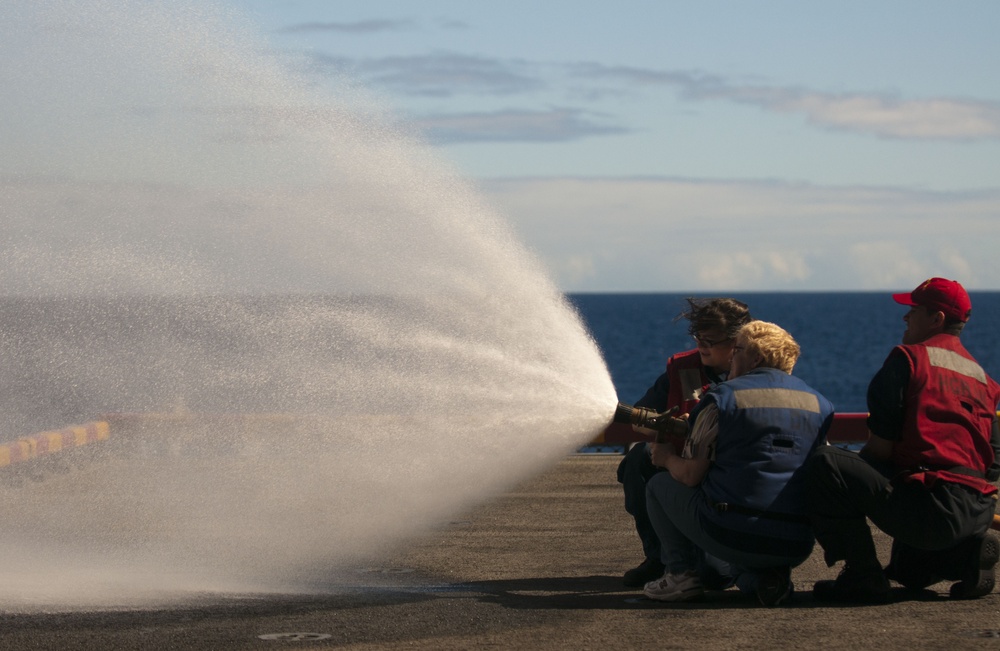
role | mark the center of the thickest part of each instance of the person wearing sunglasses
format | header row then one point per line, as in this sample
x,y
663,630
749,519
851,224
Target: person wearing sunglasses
x,y
712,324
735,495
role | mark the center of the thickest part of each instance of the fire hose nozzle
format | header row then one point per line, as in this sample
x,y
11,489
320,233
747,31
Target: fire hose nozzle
x,y
664,424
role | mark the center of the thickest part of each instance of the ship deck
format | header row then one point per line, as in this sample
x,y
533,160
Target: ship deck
x,y
537,567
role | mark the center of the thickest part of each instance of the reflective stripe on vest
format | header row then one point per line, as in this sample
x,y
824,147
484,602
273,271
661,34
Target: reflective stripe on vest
x,y
687,377
952,361
776,398
691,383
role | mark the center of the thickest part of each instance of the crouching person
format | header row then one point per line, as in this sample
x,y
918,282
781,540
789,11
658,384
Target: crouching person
x,y
926,475
733,497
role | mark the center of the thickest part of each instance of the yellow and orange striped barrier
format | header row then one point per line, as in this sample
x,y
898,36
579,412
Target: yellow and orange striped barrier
x,y
38,445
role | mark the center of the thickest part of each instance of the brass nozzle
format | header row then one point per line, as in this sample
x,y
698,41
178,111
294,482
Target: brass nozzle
x,y
636,416
664,424
623,414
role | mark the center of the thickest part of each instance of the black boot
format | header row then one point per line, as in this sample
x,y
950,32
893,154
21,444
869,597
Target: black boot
x,y
913,568
976,561
855,584
649,570
774,586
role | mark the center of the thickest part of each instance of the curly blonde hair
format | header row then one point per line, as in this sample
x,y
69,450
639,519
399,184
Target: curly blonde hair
x,y
771,344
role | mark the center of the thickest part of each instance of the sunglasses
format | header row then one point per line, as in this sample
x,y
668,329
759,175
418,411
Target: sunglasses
x,y
705,342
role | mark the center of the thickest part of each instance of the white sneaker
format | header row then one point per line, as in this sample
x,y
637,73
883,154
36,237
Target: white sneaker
x,y
675,587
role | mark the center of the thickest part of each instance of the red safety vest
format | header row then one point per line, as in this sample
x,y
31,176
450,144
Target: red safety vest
x,y
687,380
950,407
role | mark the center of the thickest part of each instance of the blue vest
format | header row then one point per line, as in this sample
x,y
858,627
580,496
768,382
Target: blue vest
x,y
769,424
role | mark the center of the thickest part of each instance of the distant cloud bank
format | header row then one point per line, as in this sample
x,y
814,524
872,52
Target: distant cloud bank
x,y
667,234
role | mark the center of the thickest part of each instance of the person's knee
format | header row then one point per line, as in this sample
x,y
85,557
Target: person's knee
x,y
632,463
655,506
625,468
823,455
657,485
819,472
633,482
819,466
635,502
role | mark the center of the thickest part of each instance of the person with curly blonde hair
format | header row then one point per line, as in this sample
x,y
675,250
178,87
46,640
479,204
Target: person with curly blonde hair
x,y
734,495
770,345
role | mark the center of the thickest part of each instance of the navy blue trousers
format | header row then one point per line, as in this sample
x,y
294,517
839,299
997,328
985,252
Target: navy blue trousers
x,y
634,472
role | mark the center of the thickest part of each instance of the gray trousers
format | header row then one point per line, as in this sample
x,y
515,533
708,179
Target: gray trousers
x,y
676,512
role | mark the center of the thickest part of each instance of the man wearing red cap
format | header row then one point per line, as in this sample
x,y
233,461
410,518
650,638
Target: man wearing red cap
x,y
927,474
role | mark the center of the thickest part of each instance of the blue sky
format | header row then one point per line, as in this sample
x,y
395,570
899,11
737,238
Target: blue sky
x,y
698,146
902,93
644,146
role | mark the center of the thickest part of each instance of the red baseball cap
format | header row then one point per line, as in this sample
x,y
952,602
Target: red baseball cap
x,y
939,294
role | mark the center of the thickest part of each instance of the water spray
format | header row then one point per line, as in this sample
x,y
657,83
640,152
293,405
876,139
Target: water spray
x,y
194,226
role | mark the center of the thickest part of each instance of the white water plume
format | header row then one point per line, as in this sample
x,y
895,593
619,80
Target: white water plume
x,y
311,338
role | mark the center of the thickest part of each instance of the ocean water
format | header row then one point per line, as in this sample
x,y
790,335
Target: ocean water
x,y
844,336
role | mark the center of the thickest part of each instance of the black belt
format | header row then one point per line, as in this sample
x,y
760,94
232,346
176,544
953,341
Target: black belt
x,y
957,470
724,507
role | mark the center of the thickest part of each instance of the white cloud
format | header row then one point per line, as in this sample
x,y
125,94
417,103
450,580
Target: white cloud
x,y
924,119
958,265
580,269
737,270
889,263
752,268
876,113
663,234
880,264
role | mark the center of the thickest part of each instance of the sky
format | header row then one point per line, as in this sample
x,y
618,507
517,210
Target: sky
x,y
682,146
641,146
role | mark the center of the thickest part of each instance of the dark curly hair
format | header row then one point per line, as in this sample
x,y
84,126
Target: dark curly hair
x,y
725,314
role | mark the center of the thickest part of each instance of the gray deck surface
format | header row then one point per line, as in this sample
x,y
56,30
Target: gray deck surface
x,y
536,568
